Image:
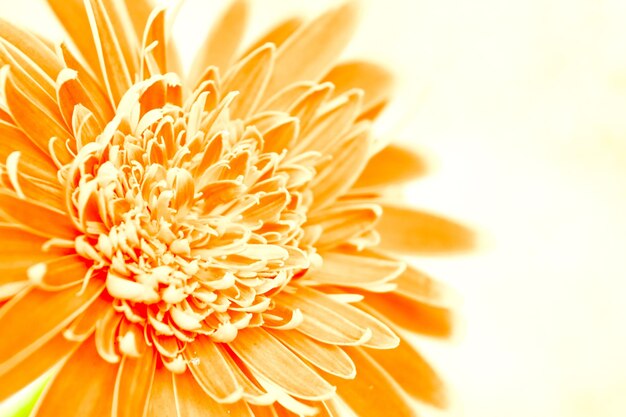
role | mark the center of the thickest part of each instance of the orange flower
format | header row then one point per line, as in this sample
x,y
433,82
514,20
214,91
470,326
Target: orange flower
x,y
212,245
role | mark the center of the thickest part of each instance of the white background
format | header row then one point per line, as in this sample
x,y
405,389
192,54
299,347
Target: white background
x,y
520,108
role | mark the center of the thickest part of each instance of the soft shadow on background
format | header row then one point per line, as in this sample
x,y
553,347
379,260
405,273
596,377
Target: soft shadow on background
x,y
520,109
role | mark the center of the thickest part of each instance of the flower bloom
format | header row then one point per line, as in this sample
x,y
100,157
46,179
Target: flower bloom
x,y
217,244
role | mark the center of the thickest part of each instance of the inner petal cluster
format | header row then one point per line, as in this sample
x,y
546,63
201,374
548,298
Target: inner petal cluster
x,y
194,223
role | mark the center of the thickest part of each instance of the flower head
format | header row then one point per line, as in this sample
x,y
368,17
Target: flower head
x,y
208,244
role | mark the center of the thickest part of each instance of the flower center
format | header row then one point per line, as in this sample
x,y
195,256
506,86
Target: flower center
x,y
194,225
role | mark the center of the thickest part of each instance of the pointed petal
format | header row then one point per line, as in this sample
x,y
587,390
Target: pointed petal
x,y
348,160
277,34
410,231
103,106
33,161
317,304
162,400
411,314
373,393
32,47
310,51
353,269
73,18
332,124
60,273
39,125
109,45
417,285
411,371
155,32
35,316
373,79
284,99
139,12
133,384
20,250
208,364
267,357
37,218
342,223
392,165
194,402
34,365
85,324
221,43
84,385
328,358
249,77
70,92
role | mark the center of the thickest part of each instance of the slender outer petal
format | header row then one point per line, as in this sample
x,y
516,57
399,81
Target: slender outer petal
x,y
35,316
84,386
410,231
266,356
375,80
35,365
310,50
133,384
394,164
373,393
222,42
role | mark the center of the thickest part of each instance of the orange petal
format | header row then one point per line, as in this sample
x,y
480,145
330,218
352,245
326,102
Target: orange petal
x,y
31,47
162,401
35,365
37,218
192,401
354,269
267,357
39,125
343,223
38,86
328,358
318,305
417,285
85,324
392,165
264,411
115,62
373,393
33,161
70,92
73,18
374,80
281,135
34,317
139,12
332,123
155,32
20,250
410,231
84,385
309,51
348,159
411,314
277,34
220,46
249,77
210,368
133,384
284,99
60,273
103,106
411,371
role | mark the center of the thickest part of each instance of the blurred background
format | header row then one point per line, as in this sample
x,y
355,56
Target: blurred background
x,y
520,110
